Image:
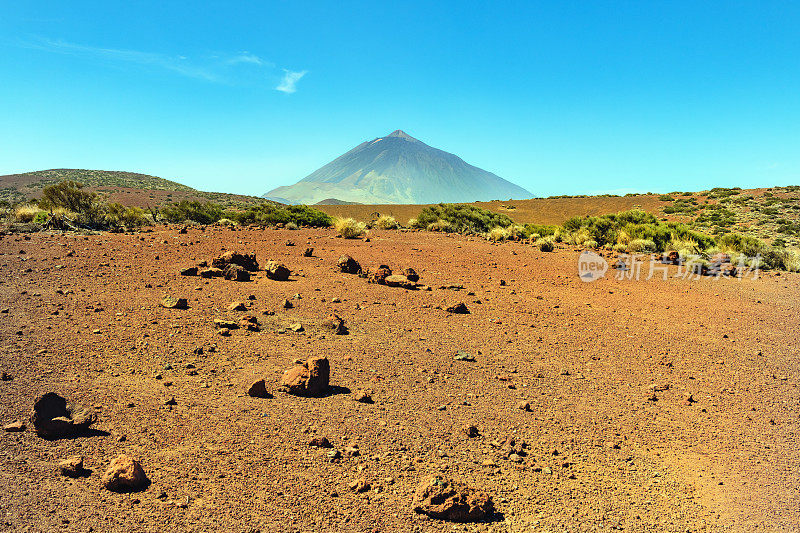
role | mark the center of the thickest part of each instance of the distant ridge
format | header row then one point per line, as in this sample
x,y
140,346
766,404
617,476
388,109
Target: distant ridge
x,y
335,201
398,169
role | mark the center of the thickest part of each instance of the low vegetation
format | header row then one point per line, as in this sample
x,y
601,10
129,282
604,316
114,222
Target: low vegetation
x,y
460,218
349,228
386,222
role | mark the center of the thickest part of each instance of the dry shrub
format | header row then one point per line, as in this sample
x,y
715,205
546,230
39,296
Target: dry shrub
x,y
349,228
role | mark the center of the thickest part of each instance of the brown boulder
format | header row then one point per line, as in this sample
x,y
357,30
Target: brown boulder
x,y
308,252
125,474
336,324
307,379
72,466
171,302
237,306
53,418
380,275
348,265
411,274
189,271
259,390
448,500
277,271
235,272
211,273
458,309
246,261
249,323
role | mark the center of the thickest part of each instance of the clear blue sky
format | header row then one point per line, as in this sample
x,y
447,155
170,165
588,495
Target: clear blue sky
x,y
559,97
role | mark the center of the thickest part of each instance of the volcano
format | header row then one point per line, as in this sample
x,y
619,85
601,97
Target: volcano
x,y
398,169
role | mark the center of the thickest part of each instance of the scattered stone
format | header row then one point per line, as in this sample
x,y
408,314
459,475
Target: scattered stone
x,y
308,379
320,442
523,405
170,302
125,474
72,466
308,252
249,323
277,271
688,398
235,272
360,486
464,356
334,455
397,280
237,306
189,271
514,458
472,431
352,451
15,426
5,376
297,327
221,323
411,274
287,304
448,500
53,418
336,324
458,309
211,273
348,265
246,261
363,396
379,276
259,390
171,401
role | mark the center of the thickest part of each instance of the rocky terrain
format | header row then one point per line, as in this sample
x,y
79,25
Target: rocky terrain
x,y
497,389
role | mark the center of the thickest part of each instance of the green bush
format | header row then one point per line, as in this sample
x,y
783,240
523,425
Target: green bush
x,y
462,218
268,214
69,195
185,210
118,215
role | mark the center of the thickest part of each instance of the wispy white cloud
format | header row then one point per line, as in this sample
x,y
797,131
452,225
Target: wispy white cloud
x,y
179,64
248,58
243,68
289,81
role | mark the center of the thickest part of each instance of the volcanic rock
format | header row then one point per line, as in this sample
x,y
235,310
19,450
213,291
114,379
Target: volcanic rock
x,y
72,466
277,271
310,378
411,274
348,265
336,324
449,500
459,309
125,474
234,272
211,273
246,261
170,302
53,418
259,390
380,275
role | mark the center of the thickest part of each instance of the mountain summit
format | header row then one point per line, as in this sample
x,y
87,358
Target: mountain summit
x,y
398,169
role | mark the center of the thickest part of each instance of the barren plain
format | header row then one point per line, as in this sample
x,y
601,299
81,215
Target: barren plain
x,y
606,368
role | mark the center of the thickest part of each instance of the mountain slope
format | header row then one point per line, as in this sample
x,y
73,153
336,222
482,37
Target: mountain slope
x,y
398,169
128,188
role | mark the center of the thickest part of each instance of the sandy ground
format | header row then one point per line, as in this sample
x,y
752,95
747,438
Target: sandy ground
x,y
601,455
